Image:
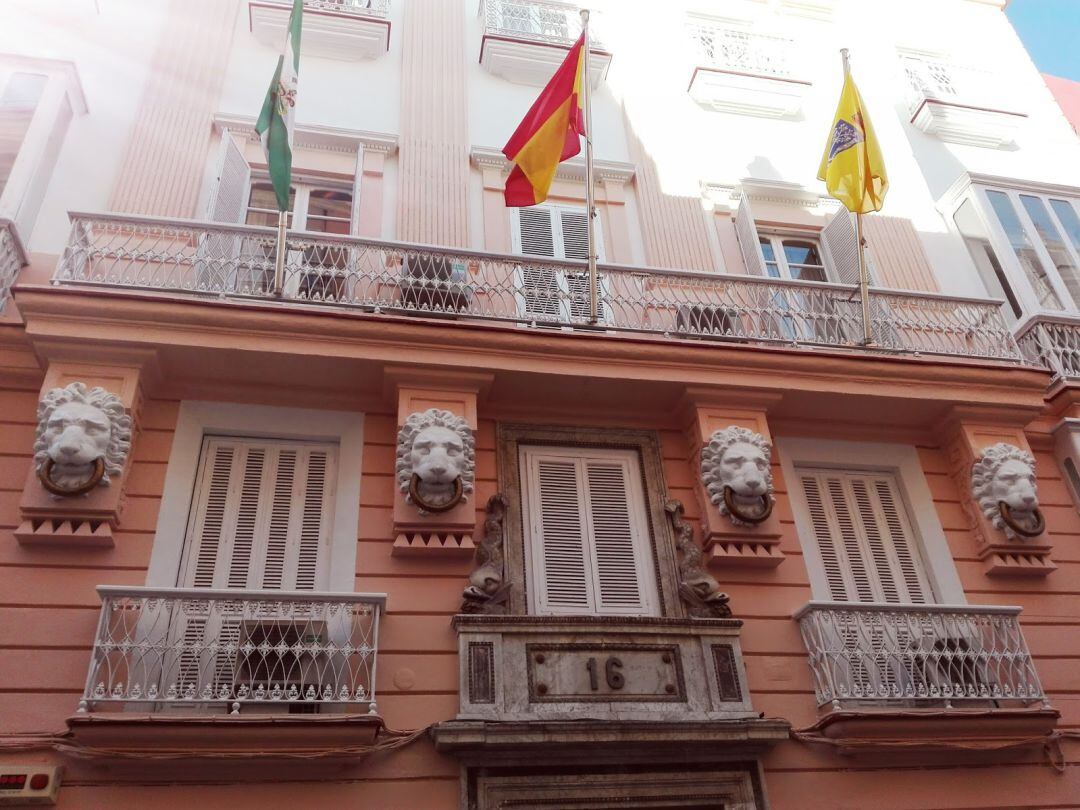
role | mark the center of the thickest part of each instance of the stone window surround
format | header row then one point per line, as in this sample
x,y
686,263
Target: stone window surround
x,y
901,460
647,445
733,785
197,419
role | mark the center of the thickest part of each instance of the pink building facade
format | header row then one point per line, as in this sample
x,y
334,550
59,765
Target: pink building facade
x,y
412,533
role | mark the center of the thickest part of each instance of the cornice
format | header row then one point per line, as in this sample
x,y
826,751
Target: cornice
x,y
314,136
772,191
487,158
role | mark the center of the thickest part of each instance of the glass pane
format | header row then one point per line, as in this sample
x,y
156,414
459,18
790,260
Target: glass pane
x,y
1069,220
772,267
1054,243
17,107
804,260
982,253
1024,250
329,211
262,205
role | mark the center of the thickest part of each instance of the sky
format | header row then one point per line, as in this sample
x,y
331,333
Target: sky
x,y
1050,30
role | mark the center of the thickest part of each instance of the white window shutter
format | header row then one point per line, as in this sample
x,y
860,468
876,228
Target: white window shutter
x,y
262,515
574,232
558,528
577,289
232,183
746,233
541,293
842,247
618,565
535,233
587,532
358,177
864,537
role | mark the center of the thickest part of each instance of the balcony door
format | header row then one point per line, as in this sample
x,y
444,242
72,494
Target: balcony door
x,y
260,520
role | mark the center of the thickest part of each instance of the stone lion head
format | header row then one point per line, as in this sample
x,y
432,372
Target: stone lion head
x,y
76,428
436,459
736,472
1005,474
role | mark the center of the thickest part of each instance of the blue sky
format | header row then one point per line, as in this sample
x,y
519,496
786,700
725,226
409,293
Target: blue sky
x,y
1050,30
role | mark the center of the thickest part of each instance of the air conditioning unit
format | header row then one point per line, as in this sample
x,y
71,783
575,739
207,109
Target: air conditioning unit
x,y
707,320
434,284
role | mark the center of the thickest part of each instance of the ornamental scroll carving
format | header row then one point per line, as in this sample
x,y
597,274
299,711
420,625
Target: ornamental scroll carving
x,y
737,475
83,437
698,589
488,590
1003,484
436,460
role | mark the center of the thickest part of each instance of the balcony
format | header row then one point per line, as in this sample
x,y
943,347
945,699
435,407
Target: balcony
x,y
216,261
524,41
960,103
294,664
1052,341
928,672
336,29
12,259
741,71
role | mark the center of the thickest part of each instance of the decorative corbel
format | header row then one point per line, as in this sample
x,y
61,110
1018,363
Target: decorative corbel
x,y
698,589
488,590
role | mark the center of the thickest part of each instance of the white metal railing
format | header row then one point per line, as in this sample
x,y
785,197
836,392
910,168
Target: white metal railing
x,y
888,655
547,21
361,8
1052,341
940,80
163,649
740,50
237,262
12,258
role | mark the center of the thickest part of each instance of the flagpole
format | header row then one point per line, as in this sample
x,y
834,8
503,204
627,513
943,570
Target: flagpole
x,y
590,205
279,256
864,276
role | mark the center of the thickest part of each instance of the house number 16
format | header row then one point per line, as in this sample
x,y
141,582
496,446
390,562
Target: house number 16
x,y
612,674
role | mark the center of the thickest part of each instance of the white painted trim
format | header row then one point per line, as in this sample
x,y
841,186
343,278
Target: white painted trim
x,y
573,169
198,419
314,136
900,459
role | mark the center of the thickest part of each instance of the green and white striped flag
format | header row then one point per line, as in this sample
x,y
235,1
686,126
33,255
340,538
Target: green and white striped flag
x,y
275,124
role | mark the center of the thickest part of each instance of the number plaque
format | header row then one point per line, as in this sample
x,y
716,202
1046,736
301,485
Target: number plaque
x,y
601,672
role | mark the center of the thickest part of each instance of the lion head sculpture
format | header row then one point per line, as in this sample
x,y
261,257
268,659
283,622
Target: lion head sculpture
x,y
83,438
1003,485
736,472
436,460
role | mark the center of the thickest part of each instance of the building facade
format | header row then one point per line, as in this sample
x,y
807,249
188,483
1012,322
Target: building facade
x,y
408,531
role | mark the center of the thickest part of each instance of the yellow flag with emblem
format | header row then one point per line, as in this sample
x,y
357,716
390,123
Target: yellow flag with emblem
x,y
852,167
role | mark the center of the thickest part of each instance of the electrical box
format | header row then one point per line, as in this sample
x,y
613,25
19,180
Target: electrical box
x,y
29,784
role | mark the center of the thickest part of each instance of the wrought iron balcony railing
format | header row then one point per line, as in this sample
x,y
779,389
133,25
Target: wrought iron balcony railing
x,y
362,8
171,649
738,50
12,258
939,80
237,262
878,655
1052,341
547,21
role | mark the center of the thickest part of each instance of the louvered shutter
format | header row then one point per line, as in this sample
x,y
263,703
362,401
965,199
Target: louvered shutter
x,y
573,234
842,247
262,516
215,263
746,233
534,233
865,538
587,532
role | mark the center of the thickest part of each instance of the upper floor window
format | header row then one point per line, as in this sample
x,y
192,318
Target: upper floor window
x,y
587,538
38,100
793,257
311,208
1025,245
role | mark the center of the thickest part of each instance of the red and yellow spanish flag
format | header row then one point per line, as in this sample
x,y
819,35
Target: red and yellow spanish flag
x,y
549,134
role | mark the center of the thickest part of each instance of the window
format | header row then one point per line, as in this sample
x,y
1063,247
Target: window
x,y
1025,245
793,257
864,537
549,293
38,100
587,540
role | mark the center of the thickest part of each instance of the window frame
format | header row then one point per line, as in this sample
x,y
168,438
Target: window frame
x,y
776,238
198,419
302,187
903,462
509,439
976,192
